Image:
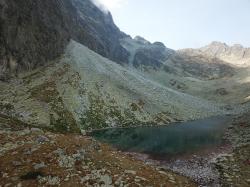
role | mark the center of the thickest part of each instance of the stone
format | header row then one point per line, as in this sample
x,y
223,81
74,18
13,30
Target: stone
x,y
39,166
137,180
172,181
42,139
66,161
141,178
163,172
83,132
14,179
130,172
16,163
66,179
49,180
25,132
36,130
8,185
5,175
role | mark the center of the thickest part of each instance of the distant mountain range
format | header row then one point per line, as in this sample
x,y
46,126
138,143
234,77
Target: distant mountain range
x,y
235,55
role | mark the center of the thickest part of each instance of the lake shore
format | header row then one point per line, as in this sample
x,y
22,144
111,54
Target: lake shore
x,y
226,165
199,167
223,162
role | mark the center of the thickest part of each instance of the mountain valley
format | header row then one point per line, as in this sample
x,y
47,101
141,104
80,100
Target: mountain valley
x,y
66,69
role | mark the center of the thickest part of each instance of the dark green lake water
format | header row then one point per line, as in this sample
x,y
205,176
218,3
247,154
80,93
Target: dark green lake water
x,y
171,140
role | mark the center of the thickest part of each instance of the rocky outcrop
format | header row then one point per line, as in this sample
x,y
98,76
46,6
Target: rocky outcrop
x,y
146,55
219,49
34,32
236,55
151,56
234,166
101,34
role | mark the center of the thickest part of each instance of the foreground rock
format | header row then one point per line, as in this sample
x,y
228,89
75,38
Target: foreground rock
x,y
234,168
72,160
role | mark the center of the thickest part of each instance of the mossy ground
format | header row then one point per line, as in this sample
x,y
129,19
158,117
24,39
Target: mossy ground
x,y
61,119
20,152
103,114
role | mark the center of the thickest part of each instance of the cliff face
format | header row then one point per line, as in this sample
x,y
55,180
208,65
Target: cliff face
x,y
33,32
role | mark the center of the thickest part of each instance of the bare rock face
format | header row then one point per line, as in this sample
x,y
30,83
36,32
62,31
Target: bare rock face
x,y
236,54
144,54
151,56
30,33
100,33
33,32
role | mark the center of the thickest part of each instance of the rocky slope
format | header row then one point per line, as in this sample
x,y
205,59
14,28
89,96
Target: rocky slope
x,y
100,77
95,76
33,157
85,90
234,167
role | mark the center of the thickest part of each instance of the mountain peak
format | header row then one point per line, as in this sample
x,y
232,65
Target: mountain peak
x,y
239,46
217,44
141,40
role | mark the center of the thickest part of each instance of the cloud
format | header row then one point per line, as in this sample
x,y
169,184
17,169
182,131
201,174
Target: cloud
x,y
109,5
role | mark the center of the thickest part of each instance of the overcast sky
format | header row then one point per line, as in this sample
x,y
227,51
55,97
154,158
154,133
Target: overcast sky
x,y
184,23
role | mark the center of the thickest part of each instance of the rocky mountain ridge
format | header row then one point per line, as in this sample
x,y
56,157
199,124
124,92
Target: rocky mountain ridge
x,y
27,27
34,32
236,55
156,56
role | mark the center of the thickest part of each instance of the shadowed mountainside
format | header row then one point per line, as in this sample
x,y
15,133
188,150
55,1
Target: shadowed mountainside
x,y
34,32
